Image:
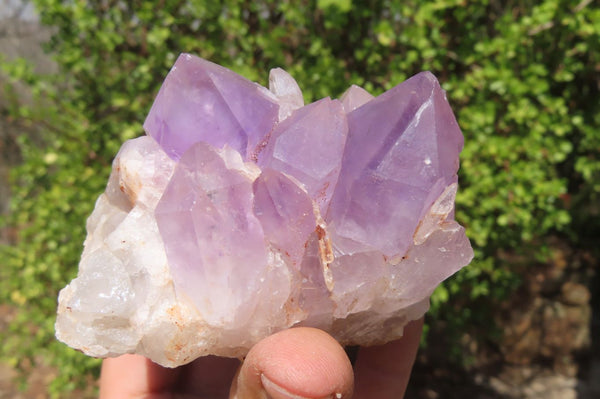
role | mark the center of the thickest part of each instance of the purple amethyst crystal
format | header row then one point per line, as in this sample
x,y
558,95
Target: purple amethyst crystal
x,y
244,212
309,146
402,151
204,102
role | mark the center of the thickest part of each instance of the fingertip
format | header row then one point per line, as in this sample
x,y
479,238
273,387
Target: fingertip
x,y
296,363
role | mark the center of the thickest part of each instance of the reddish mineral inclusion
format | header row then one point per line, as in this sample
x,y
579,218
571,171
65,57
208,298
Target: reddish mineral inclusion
x,y
244,212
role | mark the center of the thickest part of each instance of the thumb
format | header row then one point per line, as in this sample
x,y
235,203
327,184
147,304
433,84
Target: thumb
x,y
299,363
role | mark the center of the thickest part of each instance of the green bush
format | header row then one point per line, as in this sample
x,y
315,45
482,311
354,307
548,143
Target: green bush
x,y
522,77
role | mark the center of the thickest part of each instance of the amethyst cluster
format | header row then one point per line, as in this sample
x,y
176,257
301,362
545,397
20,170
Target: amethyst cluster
x,y
244,212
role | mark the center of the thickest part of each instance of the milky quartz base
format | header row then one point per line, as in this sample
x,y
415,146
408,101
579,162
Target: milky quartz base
x,y
237,218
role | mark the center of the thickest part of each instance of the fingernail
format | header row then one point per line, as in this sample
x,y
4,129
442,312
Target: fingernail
x,y
274,391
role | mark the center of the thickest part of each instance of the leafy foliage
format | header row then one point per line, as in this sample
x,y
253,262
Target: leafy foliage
x,y
521,75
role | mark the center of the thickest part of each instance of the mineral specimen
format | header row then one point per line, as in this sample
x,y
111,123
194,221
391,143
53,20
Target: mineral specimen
x,y
244,212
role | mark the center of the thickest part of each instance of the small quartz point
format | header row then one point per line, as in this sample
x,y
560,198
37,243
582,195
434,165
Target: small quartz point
x,y
244,212
354,97
288,93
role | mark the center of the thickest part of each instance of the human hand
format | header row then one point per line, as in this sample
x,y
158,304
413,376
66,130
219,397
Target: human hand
x,y
292,364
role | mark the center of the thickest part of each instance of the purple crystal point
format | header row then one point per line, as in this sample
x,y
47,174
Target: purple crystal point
x,y
355,97
309,145
211,236
285,212
204,102
401,146
285,88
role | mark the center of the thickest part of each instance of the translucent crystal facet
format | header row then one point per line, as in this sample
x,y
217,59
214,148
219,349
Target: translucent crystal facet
x,y
244,212
204,102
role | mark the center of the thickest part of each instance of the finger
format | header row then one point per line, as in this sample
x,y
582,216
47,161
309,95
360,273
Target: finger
x,y
383,371
134,376
208,377
294,364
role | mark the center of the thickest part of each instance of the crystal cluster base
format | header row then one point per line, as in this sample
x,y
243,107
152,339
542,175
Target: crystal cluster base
x,y
244,212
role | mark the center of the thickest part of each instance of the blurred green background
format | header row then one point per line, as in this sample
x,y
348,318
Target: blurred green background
x,y
522,76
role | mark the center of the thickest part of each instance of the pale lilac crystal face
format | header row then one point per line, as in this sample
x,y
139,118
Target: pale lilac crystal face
x,y
285,212
204,102
245,212
308,146
402,151
207,222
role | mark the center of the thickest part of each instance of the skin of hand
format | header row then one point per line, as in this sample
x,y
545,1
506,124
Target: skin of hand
x,y
292,364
